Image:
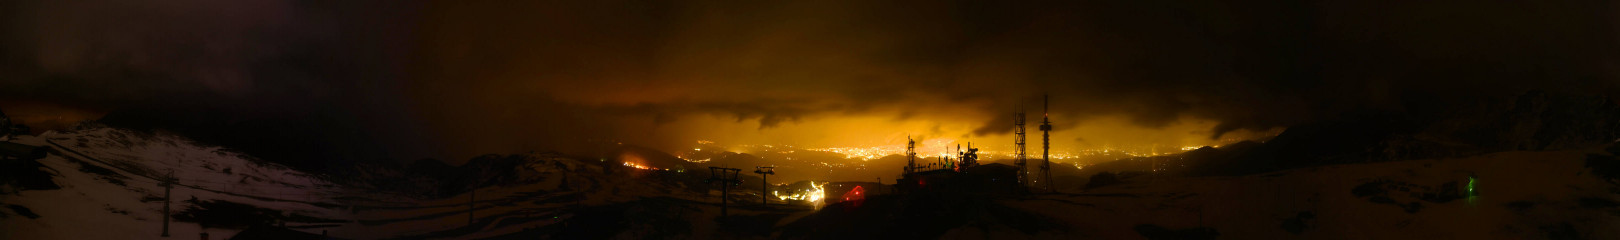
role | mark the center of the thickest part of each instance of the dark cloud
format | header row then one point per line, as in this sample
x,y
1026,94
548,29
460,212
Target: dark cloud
x,y
459,78
295,81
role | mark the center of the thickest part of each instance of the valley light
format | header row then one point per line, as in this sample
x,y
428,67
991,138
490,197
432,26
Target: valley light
x,y
638,166
815,196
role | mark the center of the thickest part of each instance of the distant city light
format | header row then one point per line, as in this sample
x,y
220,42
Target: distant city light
x,y
639,166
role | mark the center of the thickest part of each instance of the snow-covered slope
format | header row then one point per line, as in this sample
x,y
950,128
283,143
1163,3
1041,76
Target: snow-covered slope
x,y
111,189
111,182
112,186
1521,195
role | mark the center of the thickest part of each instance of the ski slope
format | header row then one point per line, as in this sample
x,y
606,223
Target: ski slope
x,y
112,182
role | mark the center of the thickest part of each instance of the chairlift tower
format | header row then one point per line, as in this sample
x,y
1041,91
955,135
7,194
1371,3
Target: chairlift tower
x,y
727,177
765,185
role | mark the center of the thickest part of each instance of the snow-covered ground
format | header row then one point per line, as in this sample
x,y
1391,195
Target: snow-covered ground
x,y
1522,195
112,186
112,189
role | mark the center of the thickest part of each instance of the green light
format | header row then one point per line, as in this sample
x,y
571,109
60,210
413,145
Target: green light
x,y
1471,195
1471,187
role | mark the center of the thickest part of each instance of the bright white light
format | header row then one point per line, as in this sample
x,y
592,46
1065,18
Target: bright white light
x,y
815,196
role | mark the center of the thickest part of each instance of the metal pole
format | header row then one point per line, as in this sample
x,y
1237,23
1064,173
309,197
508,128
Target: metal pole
x,y
724,190
764,187
168,186
726,177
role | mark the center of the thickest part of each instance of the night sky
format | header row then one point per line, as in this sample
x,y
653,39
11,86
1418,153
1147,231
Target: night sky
x,y
402,80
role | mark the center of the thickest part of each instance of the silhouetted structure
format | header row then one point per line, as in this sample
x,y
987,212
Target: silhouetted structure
x,y
994,178
911,156
727,177
1019,160
965,176
1046,142
966,159
168,188
765,185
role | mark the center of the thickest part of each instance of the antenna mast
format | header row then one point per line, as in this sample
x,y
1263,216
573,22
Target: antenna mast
x,y
1019,157
911,155
1046,142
